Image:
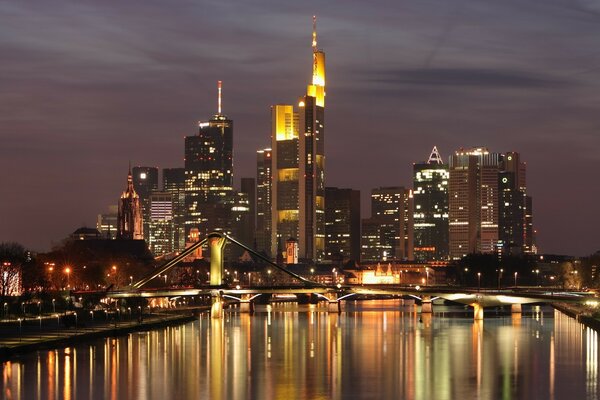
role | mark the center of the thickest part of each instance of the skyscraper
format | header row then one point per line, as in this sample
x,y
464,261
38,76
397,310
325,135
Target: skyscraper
x,y
264,167
430,191
342,224
208,171
145,181
298,202
248,228
130,225
174,183
161,232
487,203
392,213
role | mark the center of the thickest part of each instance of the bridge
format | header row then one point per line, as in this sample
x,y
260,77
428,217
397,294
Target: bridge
x,y
333,294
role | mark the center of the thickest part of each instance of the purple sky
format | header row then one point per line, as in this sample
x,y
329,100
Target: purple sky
x,y
86,86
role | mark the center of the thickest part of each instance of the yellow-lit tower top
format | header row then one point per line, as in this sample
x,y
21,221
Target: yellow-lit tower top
x,y
317,88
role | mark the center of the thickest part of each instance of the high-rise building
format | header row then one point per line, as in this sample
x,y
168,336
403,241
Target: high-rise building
x,y
130,221
430,191
264,167
342,224
388,234
107,223
174,183
145,181
248,229
487,203
208,172
161,232
298,201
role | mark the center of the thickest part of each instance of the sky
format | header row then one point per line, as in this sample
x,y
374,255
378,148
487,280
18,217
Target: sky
x,y
88,86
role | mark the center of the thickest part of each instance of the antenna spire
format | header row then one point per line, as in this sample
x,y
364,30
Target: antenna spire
x,y
314,33
219,99
435,157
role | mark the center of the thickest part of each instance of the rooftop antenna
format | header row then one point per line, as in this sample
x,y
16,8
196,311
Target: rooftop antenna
x,y
314,34
435,157
219,101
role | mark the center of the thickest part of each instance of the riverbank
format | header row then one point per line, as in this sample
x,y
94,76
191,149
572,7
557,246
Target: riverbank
x,y
29,340
579,312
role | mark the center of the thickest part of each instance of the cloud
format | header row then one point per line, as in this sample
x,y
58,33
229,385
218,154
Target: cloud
x,y
481,77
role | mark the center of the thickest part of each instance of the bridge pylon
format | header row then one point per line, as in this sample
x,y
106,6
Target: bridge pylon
x,y
216,243
426,305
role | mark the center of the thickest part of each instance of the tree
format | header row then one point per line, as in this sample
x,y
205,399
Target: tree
x,y
12,258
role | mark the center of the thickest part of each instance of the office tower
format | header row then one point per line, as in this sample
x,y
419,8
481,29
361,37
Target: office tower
x,y
107,223
298,201
130,221
394,209
487,203
430,192
374,247
174,183
285,213
530,246
248,186
264,167
208,172
513,219
161,232
145,181
342,224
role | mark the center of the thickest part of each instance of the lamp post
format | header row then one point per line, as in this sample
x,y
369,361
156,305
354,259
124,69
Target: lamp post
x,y
426,276
516,279
479,281
68,272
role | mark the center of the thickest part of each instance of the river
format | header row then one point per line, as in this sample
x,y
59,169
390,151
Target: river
x,y
374,350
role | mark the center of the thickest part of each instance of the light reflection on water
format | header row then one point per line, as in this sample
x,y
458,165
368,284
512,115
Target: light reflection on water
x,y
374,350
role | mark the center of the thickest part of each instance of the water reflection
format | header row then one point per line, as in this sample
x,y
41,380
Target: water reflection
x,y
373,350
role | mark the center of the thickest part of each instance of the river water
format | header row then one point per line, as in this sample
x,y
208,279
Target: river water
x,y
373,350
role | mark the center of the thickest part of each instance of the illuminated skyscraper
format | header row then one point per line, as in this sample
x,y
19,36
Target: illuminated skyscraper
x,y
298,203
264,174
145,181
430,191
130,221
161,232
392,213
342,224
487,203
174,183
208,171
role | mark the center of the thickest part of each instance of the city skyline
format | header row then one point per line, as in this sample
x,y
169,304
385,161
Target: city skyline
x,y
94,121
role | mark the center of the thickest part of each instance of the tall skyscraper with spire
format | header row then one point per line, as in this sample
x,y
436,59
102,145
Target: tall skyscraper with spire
x,y
298,143
208,170
130,220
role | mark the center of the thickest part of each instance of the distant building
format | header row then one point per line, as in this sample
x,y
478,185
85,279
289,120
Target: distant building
x,y
393,209
342,224
248,229
488,204
264,168
130,221
174,183
107,223
161,228
145,181
430,193
85,233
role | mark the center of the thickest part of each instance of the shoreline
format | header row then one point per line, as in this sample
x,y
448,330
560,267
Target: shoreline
x,y
578,314
80,336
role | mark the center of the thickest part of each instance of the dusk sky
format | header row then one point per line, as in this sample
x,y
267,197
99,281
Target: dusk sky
x,y
87,86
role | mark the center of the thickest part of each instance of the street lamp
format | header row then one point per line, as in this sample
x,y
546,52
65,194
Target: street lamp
x,y
426,276
516,279
500,277
131,279
68,272
479,281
